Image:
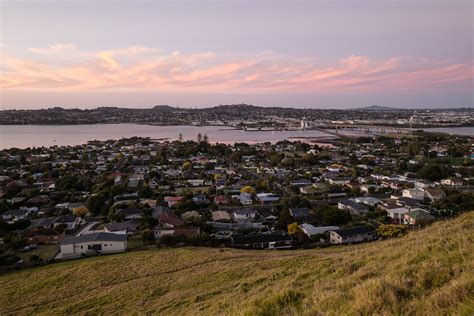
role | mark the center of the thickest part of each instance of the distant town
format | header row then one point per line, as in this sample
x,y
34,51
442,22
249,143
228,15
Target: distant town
x,y
68,202
245,116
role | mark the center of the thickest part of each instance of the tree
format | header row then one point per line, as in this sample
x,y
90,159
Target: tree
x,y
95,203
333,216
145,191
148,237
199,137
180,137
284,219
248,189
187,165
35,260
293,228
390,230
80,211
236,156
205,139
11,191
434,172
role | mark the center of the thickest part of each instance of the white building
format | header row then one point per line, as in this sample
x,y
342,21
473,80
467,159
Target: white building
x,y
244,215
351,235
267,197
416,194
92,244
311,230
397,213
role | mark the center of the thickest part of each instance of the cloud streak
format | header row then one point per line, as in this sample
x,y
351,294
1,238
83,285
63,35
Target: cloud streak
x,y
64,68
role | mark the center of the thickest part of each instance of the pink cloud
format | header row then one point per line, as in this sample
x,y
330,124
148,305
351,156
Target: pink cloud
x,y
64,67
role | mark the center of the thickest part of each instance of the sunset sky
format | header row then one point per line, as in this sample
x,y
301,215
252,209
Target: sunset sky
x,y
321,54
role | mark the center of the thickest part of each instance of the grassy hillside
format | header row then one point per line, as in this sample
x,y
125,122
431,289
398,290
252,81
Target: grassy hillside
x,y
426,272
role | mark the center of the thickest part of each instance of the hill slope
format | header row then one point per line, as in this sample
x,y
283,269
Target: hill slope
x,y
425,272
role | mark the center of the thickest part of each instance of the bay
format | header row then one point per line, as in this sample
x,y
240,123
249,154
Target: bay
x,y
23,136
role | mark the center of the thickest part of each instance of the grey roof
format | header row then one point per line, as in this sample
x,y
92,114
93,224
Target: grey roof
x,y
354,205
68,218
299,212
94,237
346,232
130,211
41,222
127,225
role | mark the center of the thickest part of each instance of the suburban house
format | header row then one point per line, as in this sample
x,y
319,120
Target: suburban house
x,y
352,206
245,198
367,200
220,199
172,200
452,181
423,184
416,194
267,198
397,214
311,230
262,241
221,216
300,214
339,180
418,217
351,235
15,215
130,213
47,236
301,182
267,215
244,215
128,227
68,220
190,232
434,194
168,219
196,182
92,244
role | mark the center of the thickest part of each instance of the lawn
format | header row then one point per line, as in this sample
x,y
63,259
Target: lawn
x,y
427,272
45,252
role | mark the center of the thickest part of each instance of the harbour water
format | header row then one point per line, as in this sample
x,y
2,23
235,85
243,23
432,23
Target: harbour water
x,y
23,136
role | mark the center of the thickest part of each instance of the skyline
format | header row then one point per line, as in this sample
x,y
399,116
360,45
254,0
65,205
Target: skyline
x,y
200,54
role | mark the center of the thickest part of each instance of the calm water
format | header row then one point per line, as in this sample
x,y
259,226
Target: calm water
x,y
467,131
22,136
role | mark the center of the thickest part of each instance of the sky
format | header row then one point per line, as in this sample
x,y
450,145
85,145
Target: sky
x,y
311,54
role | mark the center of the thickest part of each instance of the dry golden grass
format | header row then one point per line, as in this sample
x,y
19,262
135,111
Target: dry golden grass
x,y
428,272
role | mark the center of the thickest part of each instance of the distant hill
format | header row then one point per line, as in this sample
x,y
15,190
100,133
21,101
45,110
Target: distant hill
x,y
425,272
377,108
164,108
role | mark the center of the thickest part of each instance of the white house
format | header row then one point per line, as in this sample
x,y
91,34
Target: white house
x,y
423,184
311,230
244,215
416,194
245,198
452,181
92,244
397,213
351,235
196,182
267,197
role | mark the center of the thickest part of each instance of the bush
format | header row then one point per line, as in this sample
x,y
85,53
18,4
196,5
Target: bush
x,y
390,231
